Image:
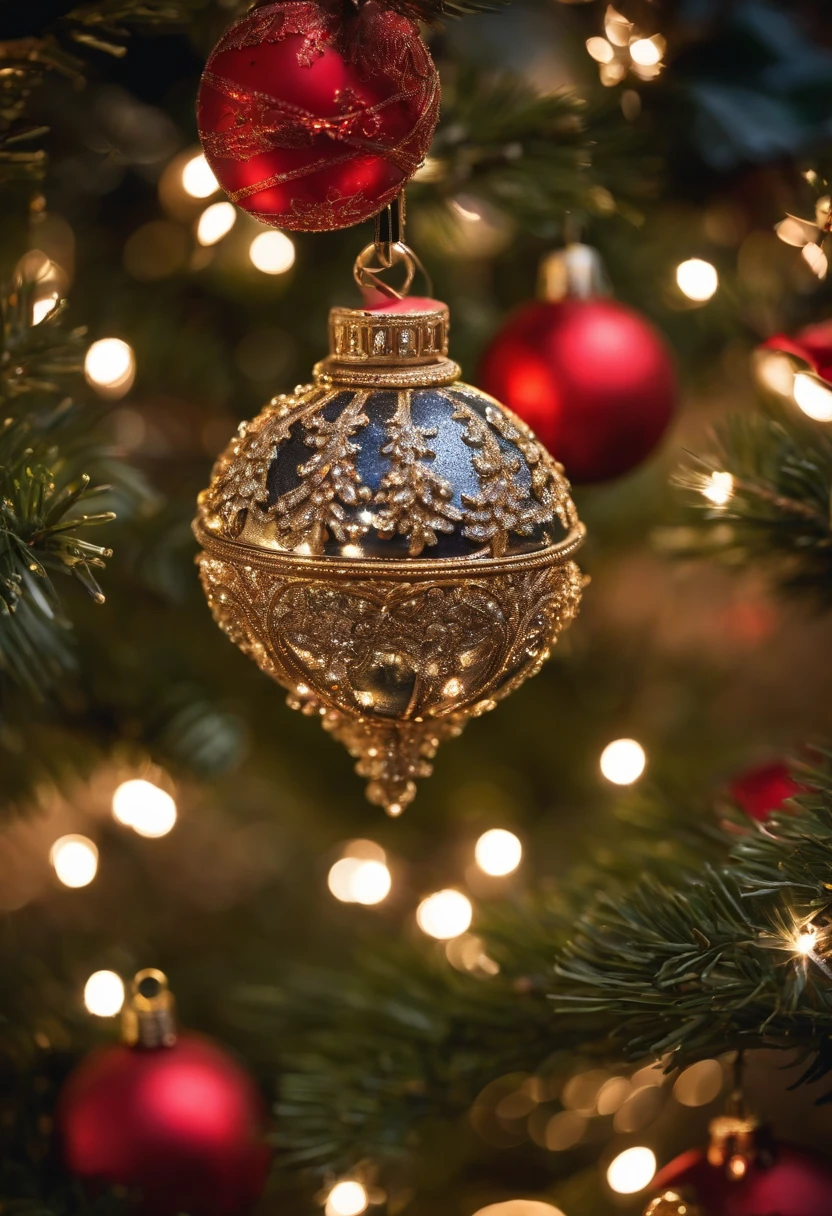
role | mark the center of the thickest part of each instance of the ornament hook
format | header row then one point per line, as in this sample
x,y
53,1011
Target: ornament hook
x,y
389,249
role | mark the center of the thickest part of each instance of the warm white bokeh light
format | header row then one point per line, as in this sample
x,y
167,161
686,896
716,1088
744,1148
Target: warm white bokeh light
x,y
145,807
110,366
697,279
272,252
215,222
632,1170
42,308
104,994
805,941
359,880
814,398
197,177
623,761
498,852
346,1198
444,914
645,52
719,489
600,50
74,860
519,1207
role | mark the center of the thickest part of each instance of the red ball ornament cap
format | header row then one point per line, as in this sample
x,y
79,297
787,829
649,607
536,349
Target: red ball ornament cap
x,y
171,1117
313,114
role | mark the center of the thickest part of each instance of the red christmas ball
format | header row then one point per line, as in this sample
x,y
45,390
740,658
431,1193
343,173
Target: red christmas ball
x,y
313,113
591,377
764,789
812,345
182,1125
787,1181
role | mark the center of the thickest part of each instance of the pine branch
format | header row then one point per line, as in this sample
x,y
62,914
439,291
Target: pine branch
x,y
536,156
777,509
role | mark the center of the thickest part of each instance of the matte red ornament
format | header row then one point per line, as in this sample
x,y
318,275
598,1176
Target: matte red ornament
x,y
786,1181
182,1124
592,378
764,789
313,114
812,346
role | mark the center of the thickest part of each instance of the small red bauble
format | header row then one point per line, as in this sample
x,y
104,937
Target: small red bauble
x,y
591,377
313,114
178,1121
764,789
790,1181
812,345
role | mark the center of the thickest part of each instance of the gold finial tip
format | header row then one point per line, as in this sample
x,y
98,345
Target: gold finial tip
x,y
150,989
149,1018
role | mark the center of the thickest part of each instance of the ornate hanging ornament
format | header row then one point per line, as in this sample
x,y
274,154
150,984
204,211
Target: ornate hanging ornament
x,y
592,377
313,114
391,545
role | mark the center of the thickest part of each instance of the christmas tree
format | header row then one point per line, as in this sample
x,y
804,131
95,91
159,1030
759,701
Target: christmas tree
x,y
589,969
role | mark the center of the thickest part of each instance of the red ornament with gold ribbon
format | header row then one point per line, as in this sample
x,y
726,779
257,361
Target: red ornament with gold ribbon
x,y
313,114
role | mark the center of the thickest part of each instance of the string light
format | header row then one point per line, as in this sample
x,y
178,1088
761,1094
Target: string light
x,y
719,489
697,279
645,52
144,807
632,1170
347,1198
74,860
215,222
272,252
197,177
359,880
519,1207
43,307
623,761
498,852
104,994
110,367
812,397
444,914
806,940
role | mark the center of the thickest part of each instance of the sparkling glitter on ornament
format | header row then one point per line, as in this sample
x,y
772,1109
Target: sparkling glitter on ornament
x,y
313,116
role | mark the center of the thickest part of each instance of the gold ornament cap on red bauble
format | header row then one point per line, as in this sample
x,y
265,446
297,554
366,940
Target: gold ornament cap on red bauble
x,y
391,545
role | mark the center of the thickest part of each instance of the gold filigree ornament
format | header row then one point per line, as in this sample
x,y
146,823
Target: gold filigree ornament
x,y
391,545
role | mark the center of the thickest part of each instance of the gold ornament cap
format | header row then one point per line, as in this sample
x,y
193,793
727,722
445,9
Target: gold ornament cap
x,y
575,273
149,1018
399,342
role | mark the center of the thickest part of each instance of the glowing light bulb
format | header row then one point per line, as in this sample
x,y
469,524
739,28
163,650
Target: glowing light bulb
x,y
623,761
359,880
104,994
719,489
215,222
272,252
144,807
697,279
74,860
645,52
110,367
812,397
632,1170
42,308
347,1198
806,941
600,50
498,852
197,177
444,914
